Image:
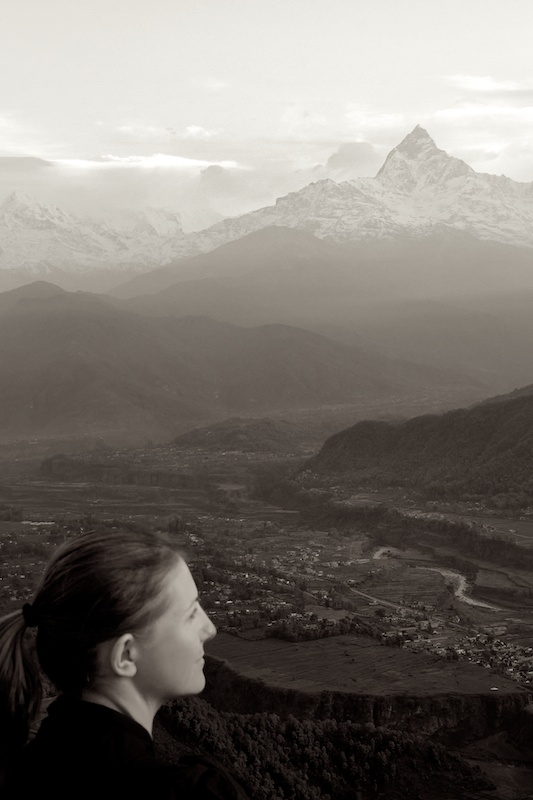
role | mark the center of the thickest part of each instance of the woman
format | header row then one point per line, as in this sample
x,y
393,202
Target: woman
x,y
119,631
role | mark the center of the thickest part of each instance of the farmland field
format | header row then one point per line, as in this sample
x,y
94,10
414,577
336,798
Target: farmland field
x,y
350,663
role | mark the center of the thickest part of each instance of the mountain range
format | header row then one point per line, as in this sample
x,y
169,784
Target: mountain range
x,y
419,189
75,364
419,192
422,301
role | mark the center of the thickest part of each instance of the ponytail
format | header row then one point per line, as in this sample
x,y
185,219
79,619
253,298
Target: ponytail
x,y
20,685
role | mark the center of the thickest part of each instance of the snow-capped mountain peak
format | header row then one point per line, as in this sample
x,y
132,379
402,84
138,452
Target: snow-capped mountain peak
x,y
21,210
416,142
17,199
417,162
418,190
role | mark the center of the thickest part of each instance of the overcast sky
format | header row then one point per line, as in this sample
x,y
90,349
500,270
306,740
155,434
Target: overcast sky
x,y
227,104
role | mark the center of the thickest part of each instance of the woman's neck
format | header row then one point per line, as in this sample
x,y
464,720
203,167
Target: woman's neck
x,y
126,701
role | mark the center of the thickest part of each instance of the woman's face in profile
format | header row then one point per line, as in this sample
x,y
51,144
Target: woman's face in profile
x,y
171,650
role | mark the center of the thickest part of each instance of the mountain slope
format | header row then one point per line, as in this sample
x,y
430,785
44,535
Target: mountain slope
x,y
288,275
436,265
443,301
43,241
74,363
490,340
273,275
277,251
486,450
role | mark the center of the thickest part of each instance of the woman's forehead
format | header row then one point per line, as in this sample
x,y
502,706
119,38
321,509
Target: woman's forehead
x,y
180,585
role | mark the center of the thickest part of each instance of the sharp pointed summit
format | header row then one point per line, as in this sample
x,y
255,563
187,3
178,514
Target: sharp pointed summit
x,y
416,143
418,135
417,162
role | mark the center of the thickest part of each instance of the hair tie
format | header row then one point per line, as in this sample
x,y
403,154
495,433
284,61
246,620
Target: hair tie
x,y
30,618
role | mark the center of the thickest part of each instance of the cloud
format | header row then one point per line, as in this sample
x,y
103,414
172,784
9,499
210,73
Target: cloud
x,y
374,121
298,123
146,131
234,192
197,132
498,156
226,186
492,132
490,126
22,165
484,84
239,191
156,160
214,84
24,174
476,112
14,137
7,123
167,132
356,157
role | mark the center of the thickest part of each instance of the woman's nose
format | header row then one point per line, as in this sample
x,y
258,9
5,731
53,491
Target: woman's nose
x,y
208,628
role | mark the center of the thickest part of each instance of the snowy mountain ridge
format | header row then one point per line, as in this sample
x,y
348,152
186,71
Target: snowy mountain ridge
x,y
43,239
418,190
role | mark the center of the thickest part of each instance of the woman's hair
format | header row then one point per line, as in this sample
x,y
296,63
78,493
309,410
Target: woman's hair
x,y
96,587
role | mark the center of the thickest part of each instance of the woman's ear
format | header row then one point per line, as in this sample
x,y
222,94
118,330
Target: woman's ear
x,y
122,656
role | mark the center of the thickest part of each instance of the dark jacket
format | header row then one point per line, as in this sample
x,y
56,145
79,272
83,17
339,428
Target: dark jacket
x,y
85,751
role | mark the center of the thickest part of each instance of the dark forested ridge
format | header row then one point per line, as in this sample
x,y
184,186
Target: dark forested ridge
x,y
486,450
247,435
523,391
311,759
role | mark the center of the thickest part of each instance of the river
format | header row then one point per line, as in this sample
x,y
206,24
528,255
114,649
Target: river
x,y
457,579
460,586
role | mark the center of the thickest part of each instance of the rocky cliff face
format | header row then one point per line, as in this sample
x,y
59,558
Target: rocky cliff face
x,y
521,730
455,718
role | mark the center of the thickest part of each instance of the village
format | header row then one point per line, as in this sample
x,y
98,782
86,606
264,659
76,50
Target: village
x,y
302,594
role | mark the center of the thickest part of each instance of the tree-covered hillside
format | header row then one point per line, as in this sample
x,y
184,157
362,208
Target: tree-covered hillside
x,y
486,451
308,759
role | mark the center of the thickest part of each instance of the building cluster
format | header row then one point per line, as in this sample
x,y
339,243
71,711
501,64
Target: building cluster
x,y
513,660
